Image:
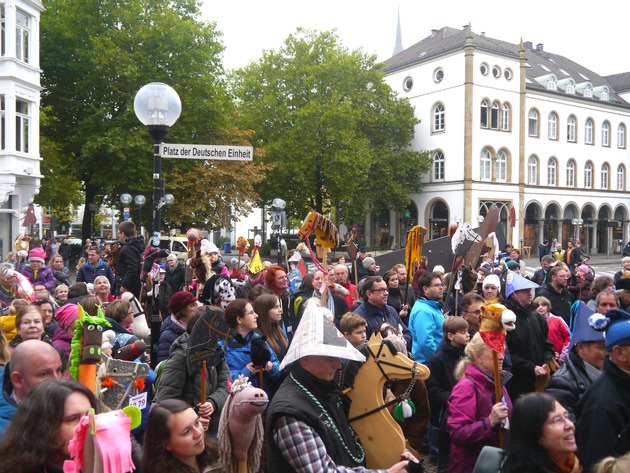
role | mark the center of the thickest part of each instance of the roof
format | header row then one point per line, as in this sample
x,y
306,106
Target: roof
x,y
540,63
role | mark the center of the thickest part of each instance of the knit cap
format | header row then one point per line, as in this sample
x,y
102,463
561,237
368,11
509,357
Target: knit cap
x,y
66,314
37,254
179,300
368,261
616,324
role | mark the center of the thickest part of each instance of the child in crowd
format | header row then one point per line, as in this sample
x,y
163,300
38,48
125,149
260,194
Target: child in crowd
x,y
353,327
559,333
442,379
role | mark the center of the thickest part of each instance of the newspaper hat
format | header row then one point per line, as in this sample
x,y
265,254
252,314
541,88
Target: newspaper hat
x,y
515,282
582,331
317,335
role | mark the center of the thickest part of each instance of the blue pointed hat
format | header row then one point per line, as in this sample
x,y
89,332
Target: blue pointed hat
x,y
582,331
515,282
616,324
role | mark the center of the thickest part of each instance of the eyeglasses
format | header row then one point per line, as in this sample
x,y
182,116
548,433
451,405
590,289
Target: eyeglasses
x,y
383,289
560,420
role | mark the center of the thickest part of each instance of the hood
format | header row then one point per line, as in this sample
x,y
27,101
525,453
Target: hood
x,y
137,241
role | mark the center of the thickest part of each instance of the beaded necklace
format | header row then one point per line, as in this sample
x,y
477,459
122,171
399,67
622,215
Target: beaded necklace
x,y
358,460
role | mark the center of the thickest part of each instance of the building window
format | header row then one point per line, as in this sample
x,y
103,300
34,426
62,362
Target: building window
x,y
21,126
2,122
501,166
571,174
438,166
496,71
552,126
552,167
505,117
533,123
621,136
486,162
494,116
605,134
621,177
438,117
605,173
408,84
22,35
571,123
2,38
588,175
588,91
532,171
552,83
508,74
571,87
438,76
484,114
588,132
483,69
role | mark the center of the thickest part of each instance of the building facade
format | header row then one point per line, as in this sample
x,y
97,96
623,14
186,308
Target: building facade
x,y
535,133
19,115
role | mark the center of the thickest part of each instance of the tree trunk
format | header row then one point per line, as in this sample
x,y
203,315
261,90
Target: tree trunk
x,y
86,226
319,200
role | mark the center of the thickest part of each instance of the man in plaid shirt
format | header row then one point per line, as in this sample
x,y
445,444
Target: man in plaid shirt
x,y
307,429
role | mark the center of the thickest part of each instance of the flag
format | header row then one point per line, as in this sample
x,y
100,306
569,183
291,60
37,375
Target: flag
x,y
255,265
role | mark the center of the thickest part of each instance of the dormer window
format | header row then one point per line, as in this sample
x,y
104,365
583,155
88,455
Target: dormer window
x,y
552,84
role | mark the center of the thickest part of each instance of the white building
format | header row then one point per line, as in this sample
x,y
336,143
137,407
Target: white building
x,y
514,125
19,123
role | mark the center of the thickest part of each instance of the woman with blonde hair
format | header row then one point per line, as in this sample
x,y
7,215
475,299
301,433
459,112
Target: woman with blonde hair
x,y
614,465
475,416
5,355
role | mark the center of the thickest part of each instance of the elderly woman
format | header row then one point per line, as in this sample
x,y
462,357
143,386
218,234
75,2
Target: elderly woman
x,y
102,289
475,417
542,437
120,315
29,322
181,306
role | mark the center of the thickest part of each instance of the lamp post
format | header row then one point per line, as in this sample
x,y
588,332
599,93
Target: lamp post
x,y
125,199
276,220
576,222
140,200
168,200
158,107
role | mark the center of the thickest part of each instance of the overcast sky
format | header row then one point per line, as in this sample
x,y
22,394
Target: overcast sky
x,y
590,33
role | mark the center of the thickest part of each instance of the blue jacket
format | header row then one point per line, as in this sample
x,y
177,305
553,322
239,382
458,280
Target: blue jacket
x,y
168,334
238,354
375,318
88,274
8,407
425,324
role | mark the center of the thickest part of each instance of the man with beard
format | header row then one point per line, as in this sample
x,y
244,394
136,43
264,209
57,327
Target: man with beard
x,y
557,293
528,343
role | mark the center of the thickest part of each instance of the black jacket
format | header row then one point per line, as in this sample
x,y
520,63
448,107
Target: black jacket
x,y
176,277
560,301
129,265
570,382
529,347
442,379
603,413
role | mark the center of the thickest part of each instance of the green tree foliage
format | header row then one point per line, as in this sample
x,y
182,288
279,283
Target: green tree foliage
x,y
95,56
334,133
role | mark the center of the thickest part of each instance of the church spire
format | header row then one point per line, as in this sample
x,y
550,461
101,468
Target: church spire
x,y
398,46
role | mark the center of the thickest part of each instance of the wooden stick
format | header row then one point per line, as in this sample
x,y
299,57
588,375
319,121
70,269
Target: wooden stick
x,y
497,388
204,377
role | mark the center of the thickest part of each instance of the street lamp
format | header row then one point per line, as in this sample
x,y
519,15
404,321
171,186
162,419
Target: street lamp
x,y
276,220
168,200
576,222
158,107
140,200
125,199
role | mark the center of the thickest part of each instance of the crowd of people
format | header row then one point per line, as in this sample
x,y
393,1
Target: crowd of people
x,y
564,371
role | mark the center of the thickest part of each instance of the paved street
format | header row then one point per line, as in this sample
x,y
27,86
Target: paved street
x,y
602,265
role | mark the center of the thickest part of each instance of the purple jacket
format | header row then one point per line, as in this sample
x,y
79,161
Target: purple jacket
x,y
468,420
45,277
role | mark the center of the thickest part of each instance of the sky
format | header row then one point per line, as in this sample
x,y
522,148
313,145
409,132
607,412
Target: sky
x,y
589,33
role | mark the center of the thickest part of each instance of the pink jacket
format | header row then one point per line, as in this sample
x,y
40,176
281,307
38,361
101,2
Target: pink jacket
x,y
468,422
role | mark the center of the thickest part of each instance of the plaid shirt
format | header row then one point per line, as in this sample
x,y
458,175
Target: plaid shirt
x,y
304,450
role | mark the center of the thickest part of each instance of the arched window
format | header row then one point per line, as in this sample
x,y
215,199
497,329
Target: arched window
x,y
605,173
552,126
438,117
533,123
571,124
588,175
571,174
588,132
438,166
501,166
552,167
494,116
505,117
605,134
621,177
486,162
532,171
621,136
484,114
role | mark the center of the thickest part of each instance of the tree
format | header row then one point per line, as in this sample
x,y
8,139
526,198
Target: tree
x,y
95,56
334,133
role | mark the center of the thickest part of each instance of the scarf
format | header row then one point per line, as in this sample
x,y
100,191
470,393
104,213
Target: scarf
x,y
177,323
330,302
571,465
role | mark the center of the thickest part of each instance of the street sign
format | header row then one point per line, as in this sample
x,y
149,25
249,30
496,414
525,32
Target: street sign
x,y
218,152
